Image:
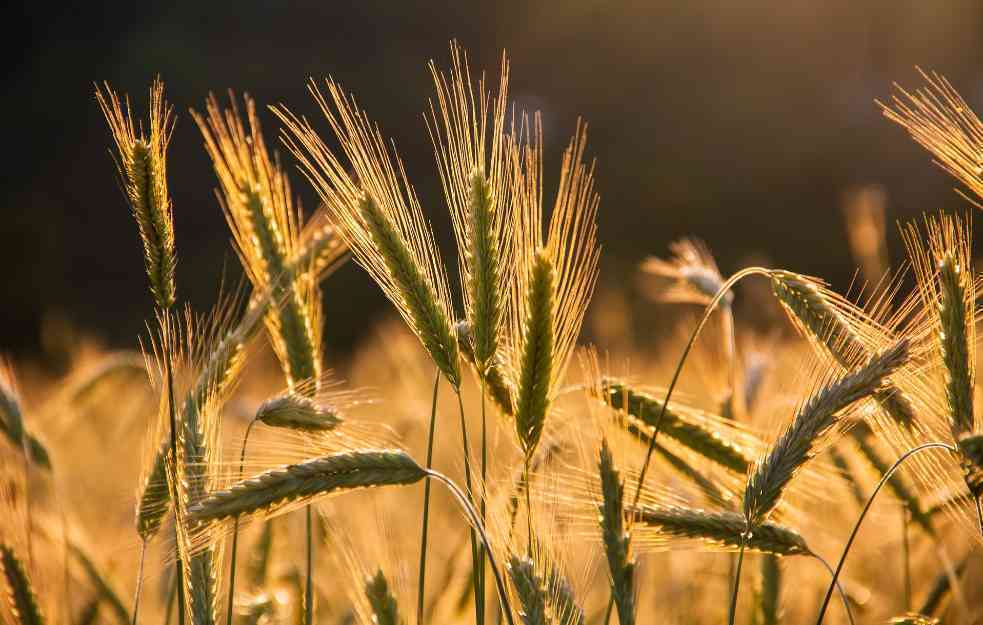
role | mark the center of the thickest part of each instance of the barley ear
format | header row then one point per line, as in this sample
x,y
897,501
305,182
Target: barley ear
x,y
813,423
385,611
536,368
530,590
142,164
720,529
617,537
21,599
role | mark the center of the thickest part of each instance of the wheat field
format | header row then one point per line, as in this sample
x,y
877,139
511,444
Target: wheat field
x,y
782,453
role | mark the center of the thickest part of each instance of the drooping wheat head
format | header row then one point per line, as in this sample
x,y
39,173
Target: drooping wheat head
x,y
842,330
377,212
691,276
141,159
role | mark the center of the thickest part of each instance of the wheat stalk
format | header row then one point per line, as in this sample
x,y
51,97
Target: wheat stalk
x,y
813,421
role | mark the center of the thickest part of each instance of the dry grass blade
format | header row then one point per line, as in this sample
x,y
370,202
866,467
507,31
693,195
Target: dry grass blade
x,y
379,216
269,492
645,408
616,536
720,529
21,598
813,422
142,164
385,611
941,121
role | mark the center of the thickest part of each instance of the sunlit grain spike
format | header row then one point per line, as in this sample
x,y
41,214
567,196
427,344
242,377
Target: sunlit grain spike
x,y
142,164
813,422
267,492
530,590
385,611
939,119
616,537
691,273
722,529
298,412
535,373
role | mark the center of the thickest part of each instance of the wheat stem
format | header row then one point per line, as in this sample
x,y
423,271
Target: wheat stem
x,y
426,504
679,367
484,496
136,593
737,583
235,528
870,500
472,516
467,481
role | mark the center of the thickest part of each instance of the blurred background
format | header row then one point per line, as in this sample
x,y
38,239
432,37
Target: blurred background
x,y
744,123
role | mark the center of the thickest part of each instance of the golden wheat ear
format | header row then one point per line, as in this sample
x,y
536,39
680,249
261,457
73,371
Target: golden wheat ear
x,y
141,159
467,128
377,212
941,121
259,208
555,278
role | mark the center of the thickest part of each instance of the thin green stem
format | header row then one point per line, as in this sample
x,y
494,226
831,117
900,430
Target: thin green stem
x,y
175,496
737,582
679,368
470,492
905,557
863,513
839,589
607,613
525,477
480,577
309,591
171,594
979,513
426,506
475,522
235,529
136,594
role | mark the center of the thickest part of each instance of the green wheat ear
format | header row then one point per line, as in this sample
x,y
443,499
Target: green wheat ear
x,y
21,598
617,537
385,610
537,364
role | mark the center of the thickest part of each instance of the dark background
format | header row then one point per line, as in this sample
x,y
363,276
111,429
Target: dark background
x,y
741,122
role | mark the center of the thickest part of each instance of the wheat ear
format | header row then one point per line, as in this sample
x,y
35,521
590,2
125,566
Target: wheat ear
x,y
616,535
530,590
142,164
385,611
21,599
813,421
724,529
822,317
270,491
646,409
